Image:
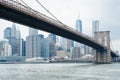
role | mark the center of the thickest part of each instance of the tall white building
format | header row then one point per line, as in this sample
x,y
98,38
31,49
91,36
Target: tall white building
x,y
5,48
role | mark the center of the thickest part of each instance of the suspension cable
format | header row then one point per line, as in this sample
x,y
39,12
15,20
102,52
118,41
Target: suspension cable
x,y
112,46
25,4
48,11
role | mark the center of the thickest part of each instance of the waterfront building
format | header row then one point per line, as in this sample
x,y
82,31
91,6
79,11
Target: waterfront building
x,y
68,45
5,48
23,48
33,44
13,43
61,54
12,59
45,48
38,46
75,53
52,49
14,36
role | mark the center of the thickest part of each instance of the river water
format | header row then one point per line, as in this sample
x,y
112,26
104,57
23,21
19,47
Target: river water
x,y
60,71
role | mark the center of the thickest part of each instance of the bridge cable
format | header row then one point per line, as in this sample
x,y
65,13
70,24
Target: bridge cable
x,y
48,11
25,4
112,46
42,7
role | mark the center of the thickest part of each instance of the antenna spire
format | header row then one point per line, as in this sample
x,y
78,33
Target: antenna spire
x,y
78,14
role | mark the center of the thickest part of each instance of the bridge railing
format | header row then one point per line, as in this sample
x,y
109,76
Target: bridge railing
x,y
14,4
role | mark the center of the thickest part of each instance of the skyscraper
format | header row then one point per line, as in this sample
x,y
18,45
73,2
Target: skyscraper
x,y
68,45
7,33
72,43
52,47
18,34
79,25
95,26
13,43
33,44
45,48
76,50
52,37
78,28
63,43
75,53
14,37
13,30
23,48
33,32
5,48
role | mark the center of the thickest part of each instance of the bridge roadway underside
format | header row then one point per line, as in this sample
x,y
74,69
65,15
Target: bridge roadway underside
x,y
22,18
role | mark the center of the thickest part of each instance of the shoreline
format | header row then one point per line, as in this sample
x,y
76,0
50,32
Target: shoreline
x,y
45,62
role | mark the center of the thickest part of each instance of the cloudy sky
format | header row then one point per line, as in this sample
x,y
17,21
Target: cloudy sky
x,y
67,11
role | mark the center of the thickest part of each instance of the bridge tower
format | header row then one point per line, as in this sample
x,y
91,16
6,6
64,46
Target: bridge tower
x,y
102,56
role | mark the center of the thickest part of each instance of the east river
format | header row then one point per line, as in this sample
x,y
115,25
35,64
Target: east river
x,y
60,71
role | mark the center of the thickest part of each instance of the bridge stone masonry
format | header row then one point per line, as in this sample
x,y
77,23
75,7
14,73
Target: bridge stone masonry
x,y
102,56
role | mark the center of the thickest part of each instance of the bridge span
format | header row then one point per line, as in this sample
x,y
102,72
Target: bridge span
x,y
14,11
